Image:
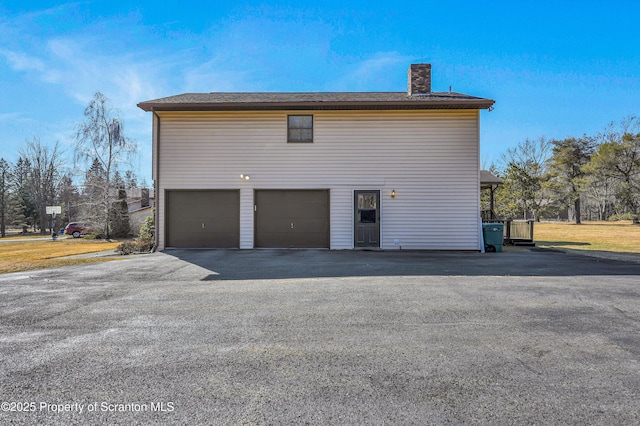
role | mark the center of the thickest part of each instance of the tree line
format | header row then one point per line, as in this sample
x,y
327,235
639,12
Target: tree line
x,y
596,177
593,176
91,189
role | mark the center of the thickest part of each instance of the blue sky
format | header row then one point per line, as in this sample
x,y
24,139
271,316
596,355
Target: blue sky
x,y
555,69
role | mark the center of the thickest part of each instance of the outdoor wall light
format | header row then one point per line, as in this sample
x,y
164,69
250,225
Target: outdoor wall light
x,y
393,193
245,177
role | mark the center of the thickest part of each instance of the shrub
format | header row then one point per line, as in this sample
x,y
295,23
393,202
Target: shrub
x,y
144,243
623,216
94,236
136,246
148,229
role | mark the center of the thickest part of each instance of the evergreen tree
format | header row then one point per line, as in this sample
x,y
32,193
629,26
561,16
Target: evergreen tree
x,y
523,179
120,225
23,208
94,194
69,198
566,169
5,194
130,180
117,181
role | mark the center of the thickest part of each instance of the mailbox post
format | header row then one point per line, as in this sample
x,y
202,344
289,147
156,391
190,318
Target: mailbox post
x,y
53,211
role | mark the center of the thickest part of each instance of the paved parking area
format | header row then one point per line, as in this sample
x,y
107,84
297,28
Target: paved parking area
x,y
319,337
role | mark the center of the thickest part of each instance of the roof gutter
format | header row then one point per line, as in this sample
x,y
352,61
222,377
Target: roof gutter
x,y
273,106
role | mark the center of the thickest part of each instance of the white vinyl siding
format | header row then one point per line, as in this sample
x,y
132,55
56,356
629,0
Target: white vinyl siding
x,y
430,158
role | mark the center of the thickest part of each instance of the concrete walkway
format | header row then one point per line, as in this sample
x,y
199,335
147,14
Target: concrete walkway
x,y
26,240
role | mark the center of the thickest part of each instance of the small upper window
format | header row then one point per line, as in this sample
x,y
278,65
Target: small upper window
x,y
300,128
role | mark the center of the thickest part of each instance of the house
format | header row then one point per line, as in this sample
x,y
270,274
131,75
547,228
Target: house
x,y
140,198
137,218
140,202
389,170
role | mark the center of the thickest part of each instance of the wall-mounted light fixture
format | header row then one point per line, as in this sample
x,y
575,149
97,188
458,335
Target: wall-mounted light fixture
x,y
393,193
245,177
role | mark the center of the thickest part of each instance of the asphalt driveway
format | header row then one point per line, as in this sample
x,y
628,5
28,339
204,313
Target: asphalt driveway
x,y
319,337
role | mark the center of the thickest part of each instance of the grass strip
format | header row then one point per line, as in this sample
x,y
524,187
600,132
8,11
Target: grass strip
x,y
29,255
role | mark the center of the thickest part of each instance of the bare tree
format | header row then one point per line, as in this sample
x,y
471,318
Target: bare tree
x,y
43,176
599,192
618,158
100,138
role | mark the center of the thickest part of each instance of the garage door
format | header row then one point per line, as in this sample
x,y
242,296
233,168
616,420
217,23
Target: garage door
x,y
203,219
292,218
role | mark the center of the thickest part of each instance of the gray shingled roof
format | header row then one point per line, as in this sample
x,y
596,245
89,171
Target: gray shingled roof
x,y
487,178
314,100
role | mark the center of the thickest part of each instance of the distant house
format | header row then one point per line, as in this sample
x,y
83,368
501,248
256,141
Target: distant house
x,y
137,218
140,198
140,202
389,170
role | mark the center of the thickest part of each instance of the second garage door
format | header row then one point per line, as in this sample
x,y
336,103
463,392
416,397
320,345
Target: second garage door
x,y
292,218
203,219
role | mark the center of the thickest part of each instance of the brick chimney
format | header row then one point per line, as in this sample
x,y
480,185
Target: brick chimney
x,y
419,77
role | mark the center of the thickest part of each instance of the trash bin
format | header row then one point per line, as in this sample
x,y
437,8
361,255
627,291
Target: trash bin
x,y
493,233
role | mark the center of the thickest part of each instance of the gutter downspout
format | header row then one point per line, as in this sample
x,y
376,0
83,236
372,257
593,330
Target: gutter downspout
x,y
156,181
480,233
481,236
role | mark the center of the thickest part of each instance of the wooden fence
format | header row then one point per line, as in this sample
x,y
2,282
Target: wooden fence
x,y
516,232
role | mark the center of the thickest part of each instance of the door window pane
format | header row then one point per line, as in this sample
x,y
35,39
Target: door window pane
x,y
367,216
367,201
